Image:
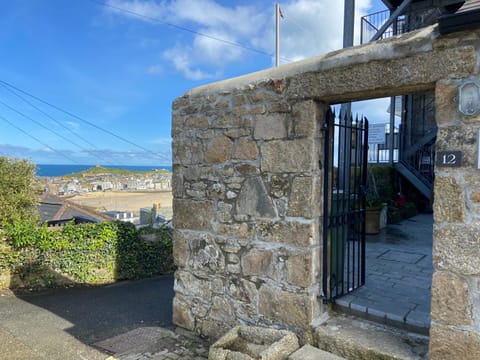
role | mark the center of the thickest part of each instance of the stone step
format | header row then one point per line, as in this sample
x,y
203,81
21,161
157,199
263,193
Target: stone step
x,y
309,352
358,339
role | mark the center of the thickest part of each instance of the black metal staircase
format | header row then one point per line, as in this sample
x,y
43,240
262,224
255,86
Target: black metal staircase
x,y
403,16
416,163
417,148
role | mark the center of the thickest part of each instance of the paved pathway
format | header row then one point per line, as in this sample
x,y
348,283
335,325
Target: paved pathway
x,y
132,320
126,320
156,343
398,276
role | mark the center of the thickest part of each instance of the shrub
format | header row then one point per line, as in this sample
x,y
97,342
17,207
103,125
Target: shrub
x,y
25,232
86,253
17,190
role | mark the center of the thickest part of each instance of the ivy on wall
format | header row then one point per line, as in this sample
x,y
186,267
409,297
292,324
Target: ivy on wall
x,y
86,253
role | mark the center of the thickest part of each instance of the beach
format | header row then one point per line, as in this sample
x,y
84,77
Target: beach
x,y
126,201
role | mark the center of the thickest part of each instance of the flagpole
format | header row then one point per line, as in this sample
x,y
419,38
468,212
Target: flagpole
x,y
346,108
277,34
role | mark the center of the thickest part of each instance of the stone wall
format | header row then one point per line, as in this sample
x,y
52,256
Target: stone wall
x,y
247,208
455,313
247,187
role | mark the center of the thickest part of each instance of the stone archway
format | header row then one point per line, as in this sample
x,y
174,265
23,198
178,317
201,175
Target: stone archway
x,y
247,180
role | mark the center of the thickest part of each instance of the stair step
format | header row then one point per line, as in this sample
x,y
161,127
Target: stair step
x,y
309,352
414,177
357,339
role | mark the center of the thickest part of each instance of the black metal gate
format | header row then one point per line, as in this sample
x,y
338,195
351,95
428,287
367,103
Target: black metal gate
x,y
346,148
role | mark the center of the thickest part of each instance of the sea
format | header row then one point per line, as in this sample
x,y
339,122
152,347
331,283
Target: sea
x,y
62,170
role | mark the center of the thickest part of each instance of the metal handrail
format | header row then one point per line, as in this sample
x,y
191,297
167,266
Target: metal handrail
x,y
370,24
393,17
374,23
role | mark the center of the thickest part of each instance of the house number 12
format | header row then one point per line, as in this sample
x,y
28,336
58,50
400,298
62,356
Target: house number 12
x,y
449,158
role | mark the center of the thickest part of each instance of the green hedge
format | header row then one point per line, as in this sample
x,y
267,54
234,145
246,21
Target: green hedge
x,y
86,253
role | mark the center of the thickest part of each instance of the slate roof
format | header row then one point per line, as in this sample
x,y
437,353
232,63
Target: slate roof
x,y
466,18
467,6
392,4
53,208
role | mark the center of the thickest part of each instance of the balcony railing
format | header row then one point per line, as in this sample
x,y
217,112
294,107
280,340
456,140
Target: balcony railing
x,y
380,153
372,23
408,21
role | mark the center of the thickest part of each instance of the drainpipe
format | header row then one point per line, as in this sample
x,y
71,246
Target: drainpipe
x,y
392,113
392,130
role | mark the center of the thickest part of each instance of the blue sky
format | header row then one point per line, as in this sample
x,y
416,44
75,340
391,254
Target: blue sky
x,y
121,72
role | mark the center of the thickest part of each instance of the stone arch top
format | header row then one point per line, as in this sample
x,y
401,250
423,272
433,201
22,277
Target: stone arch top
x,y
403,64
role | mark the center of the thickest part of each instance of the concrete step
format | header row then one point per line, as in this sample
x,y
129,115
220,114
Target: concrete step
x,y
358,339
309,352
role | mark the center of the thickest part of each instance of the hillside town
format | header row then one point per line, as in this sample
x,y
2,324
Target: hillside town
x,y
100,194
108,181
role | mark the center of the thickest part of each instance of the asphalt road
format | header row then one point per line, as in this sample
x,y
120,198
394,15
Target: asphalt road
x,y
65,323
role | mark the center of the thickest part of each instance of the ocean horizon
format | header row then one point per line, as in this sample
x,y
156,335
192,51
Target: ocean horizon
x,y
47,170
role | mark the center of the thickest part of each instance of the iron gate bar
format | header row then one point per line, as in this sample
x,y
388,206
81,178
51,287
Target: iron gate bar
x,y
344,206
329,117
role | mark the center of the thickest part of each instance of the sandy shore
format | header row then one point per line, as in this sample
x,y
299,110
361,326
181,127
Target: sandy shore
x,y
126,201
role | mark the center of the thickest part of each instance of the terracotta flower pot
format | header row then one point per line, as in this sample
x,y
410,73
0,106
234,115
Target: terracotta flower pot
x,y
372,220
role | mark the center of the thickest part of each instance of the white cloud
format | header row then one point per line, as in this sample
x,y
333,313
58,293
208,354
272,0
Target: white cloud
x,y
376,110
182,60
206,56
145,8
238,21
155,70
162,141
72,124
114,109
207,50
140,157
149,43
15,151
45,155
47,149
310,27
305,32
203,56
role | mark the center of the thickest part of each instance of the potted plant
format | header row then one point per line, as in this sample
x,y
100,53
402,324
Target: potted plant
x,y
401,209
376,206
373,215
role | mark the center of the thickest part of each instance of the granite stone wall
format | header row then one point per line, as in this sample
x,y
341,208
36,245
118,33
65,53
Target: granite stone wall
x,y
455,312
247,209
247,182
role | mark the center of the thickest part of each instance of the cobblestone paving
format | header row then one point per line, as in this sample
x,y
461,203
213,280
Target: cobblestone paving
x,y
157,344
